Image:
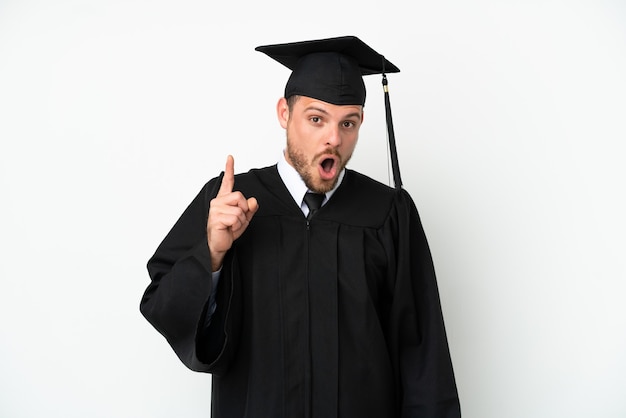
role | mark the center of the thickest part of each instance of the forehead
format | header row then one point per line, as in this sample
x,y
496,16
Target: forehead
x,y
308,104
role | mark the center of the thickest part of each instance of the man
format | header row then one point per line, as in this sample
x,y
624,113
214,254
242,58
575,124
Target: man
x,y
304,309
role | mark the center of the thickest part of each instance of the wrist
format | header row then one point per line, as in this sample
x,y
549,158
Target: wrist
x,y
217,259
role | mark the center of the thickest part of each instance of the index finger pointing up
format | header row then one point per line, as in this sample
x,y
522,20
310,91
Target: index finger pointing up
x,y
228,181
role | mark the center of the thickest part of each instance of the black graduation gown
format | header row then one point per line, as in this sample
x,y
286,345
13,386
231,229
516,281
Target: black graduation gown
x,y
336,317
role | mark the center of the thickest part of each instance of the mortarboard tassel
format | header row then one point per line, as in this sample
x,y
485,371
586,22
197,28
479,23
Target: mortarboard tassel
x,y
395,167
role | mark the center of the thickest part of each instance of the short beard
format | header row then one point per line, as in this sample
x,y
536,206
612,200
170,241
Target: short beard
x,y
303,166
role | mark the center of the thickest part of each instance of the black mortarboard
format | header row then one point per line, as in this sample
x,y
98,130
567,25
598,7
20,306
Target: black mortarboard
x,y
331,70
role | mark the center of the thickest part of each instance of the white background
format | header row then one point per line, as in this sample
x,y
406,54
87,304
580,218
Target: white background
x,y
510,121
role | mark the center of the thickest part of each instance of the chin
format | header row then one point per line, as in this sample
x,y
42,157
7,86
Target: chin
x,y
314,182
321,186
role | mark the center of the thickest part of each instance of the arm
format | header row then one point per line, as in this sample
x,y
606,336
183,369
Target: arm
x,y
212,304
424,369
180,273
177,300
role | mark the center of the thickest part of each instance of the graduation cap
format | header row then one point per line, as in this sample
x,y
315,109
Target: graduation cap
x,y
332,70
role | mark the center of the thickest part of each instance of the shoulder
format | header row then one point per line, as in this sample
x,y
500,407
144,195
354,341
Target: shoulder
x,y
267,187
257,180
252,180
361,183
363,201
255,175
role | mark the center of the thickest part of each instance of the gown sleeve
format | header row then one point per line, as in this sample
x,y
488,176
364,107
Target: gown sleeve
x,y
176,300
419,344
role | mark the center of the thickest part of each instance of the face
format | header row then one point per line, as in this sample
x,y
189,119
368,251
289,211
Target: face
x,y
321,138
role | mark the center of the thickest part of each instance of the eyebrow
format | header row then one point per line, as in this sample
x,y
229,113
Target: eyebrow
x,y
316,109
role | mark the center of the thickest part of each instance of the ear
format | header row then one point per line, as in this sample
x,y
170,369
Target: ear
x,y
282,111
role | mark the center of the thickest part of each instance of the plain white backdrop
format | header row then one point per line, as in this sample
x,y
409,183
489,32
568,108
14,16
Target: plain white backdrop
x,y
510,119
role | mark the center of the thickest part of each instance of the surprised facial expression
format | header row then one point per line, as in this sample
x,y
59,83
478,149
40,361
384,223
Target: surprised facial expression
x,y
321,138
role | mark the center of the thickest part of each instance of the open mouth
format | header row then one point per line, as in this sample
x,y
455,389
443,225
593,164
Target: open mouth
x,y
328,168
327,164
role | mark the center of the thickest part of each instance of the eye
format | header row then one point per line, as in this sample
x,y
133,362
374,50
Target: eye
x,y
348,124
315,119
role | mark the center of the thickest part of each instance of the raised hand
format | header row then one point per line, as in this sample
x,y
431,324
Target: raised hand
x,y
229,216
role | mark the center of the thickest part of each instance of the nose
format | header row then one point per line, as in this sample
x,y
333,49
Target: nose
x,y
333,136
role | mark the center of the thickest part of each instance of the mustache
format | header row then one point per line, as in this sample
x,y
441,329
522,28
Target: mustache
x,y
327,151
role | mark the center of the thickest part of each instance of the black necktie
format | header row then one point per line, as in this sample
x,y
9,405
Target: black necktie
x,y
313,201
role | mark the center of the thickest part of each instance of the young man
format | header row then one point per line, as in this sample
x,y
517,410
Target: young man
x,y
304,309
